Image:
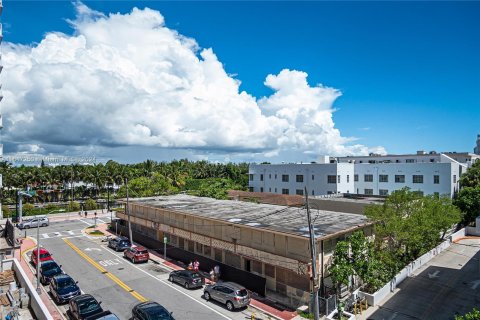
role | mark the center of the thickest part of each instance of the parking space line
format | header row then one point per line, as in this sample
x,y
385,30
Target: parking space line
x,y
107,273
171,286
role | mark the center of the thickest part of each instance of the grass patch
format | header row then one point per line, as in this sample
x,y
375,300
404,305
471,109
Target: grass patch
x,y
96,233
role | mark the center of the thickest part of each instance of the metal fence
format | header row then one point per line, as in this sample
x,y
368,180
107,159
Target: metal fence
x,y
327,304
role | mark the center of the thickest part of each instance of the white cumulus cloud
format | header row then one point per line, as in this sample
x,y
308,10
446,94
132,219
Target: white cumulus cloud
x,y
128,80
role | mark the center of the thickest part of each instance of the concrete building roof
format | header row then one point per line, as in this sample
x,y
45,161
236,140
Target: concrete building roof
x,y
291,220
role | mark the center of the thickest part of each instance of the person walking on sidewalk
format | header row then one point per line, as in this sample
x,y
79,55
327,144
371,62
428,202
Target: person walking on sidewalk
x,y
212,275
216,272
190,266
196,265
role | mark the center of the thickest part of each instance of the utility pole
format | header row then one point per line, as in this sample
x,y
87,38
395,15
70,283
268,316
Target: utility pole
x,y
316,312
128,214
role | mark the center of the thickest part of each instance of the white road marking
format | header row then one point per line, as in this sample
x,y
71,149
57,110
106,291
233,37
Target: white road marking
x,y
70,232
86,222
45,235
168,284
58,234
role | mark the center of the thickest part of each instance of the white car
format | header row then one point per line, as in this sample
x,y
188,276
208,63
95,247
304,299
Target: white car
x,y
33,222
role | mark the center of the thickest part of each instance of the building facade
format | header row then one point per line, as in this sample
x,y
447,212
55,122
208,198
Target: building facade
x,y
433,174
263,247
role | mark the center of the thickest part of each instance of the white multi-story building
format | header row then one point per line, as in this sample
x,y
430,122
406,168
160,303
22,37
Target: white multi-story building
x,y
432,173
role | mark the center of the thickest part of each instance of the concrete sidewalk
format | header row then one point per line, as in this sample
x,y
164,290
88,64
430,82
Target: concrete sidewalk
x,y
257,303
28,244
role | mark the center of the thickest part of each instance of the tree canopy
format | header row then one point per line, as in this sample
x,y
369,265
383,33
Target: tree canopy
x,y
468,198
409,225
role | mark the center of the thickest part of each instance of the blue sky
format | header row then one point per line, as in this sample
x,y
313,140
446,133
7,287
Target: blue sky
x,y
409,73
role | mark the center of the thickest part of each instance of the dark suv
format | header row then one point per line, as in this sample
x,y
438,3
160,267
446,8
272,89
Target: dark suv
x,y
119,243
150,311
49,269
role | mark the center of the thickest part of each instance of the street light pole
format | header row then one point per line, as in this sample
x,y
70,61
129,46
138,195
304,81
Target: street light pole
x,y
39,289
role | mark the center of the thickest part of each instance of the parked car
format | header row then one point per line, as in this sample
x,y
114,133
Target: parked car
x,y
231,294
84,307
150,311
49,269
63,288
136,254
33,222
105,315
119,243
44,256
187,278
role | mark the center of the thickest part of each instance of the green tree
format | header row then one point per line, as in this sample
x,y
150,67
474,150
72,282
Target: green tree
x,y
408,225
28,208
471,178
468,200
472,315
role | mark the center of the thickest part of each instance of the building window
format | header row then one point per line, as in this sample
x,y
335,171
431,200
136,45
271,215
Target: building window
x,y
313,192
313,177
284,177
355,177
299,178
417,178
261,189
338,178
410,160
250,177
275,190
436,179
432,160
348,178
383,192
332,179
270,176
368,178
368,191
383,178
261,177
285,191
399,178
436,195
299,192
250,189
454,178
419,193
275,176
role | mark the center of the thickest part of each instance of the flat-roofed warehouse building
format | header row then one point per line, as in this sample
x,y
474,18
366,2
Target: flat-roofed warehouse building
x,y
261,246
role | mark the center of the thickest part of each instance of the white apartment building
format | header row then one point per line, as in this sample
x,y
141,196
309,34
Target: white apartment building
x,y
370,175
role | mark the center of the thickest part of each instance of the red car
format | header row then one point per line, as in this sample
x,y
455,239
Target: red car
x,y
44,256
136,254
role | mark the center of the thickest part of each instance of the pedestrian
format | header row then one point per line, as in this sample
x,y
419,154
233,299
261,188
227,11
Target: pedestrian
x,y
196,265
212,275
95,213
85,214
190,266
216,271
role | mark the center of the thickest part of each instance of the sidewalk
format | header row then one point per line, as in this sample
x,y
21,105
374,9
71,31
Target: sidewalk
x,y
27,245
259,303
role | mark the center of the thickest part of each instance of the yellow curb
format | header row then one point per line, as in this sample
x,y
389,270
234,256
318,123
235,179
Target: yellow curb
x,y
137,295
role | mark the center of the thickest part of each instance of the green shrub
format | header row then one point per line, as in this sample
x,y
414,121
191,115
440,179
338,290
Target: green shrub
x,y
90,204
73,206
50,207
28,208
6,211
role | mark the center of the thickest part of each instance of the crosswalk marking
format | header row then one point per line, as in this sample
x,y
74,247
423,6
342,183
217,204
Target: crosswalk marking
x,y
65,233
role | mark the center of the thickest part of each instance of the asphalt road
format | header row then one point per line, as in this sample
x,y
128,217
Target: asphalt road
x,y
118,283
448,285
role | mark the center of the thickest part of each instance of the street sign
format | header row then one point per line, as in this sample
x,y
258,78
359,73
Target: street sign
x,y
165,239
